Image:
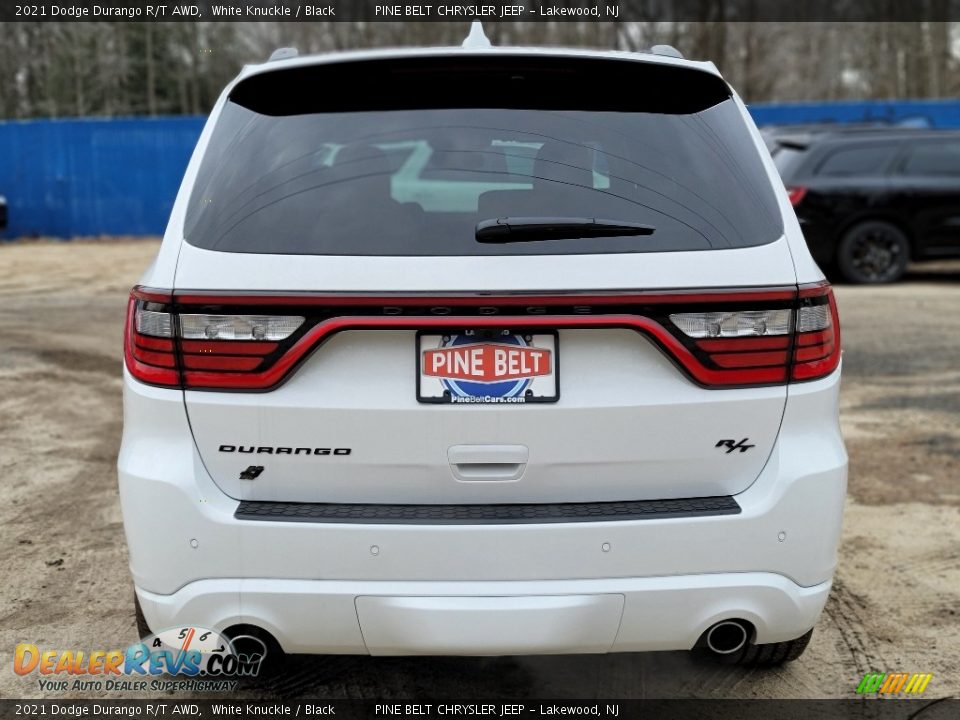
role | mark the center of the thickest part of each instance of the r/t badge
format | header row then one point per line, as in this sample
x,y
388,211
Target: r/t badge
x,y
732,445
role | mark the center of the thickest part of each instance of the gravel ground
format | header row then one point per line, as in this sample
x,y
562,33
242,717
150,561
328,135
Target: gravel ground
x,y
895,599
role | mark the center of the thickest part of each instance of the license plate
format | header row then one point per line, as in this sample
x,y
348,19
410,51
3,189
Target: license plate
x,y
506,366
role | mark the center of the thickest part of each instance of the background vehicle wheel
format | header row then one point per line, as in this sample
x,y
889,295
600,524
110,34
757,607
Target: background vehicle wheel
x,y
767,654
143,630
873,252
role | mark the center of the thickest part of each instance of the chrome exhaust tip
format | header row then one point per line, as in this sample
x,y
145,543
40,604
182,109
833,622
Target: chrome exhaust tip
x,y
727,637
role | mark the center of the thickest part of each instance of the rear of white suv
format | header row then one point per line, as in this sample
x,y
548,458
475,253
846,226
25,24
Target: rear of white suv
x,y
451,352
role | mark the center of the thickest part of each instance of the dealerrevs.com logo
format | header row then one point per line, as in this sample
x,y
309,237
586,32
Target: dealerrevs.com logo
x,y
178,659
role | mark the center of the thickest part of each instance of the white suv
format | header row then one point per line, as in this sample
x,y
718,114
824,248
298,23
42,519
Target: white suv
x,y
479,351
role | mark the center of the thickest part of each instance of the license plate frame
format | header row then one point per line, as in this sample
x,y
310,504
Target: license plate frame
x,y
537,389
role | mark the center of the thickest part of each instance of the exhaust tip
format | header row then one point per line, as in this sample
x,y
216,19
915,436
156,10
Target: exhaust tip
x,y
727,637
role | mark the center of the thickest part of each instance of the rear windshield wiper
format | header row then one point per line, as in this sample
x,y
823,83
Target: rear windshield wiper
x,y
527,229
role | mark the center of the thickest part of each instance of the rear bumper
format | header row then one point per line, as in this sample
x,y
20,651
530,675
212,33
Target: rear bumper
x,y
193,561
496,514
493,618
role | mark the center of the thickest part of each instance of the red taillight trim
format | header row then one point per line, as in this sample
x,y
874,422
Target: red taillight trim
x,y
226,363
167,360
816,369
228,347
773,342
152,343
273,375
152,294
750,359
817,337
814,289
814,352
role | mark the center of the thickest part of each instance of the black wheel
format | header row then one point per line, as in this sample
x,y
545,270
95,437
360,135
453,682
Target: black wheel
x,y
873,252
143,630
767,654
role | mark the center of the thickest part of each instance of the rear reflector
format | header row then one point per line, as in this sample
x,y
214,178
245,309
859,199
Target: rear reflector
x,y
796,195
719,339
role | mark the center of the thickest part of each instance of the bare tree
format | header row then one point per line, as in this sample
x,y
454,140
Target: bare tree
x,y
110,69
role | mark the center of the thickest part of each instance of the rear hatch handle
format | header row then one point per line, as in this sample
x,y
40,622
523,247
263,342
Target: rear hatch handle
x,y
502,463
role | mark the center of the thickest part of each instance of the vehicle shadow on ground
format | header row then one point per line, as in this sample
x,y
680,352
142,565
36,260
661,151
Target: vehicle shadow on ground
x,y
619,675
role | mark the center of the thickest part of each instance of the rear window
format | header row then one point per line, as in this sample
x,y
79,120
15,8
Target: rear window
x,y
862,160
406,158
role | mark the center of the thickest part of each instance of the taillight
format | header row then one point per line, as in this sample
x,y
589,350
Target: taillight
x,y
149,338
230,344
720,339
796,195
816,348
190,350
800,341
745,347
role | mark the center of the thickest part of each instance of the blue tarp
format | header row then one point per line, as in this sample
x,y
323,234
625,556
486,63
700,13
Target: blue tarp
x,y
67,178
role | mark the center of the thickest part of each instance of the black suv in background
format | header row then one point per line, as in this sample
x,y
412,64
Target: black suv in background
x,y
869,203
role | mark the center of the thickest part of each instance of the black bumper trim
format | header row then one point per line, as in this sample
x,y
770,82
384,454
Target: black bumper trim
x,y
504,514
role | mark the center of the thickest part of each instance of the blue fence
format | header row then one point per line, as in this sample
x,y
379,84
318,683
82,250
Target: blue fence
x,y
922,113
67,178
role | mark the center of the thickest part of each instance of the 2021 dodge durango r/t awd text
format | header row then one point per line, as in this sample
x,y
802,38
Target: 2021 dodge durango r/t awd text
x,y
446,352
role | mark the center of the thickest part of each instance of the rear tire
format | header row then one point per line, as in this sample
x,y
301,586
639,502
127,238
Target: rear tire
x,y
143,630
873,252
767,654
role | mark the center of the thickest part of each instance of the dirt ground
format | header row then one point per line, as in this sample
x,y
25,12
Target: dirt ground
x,y
63,560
